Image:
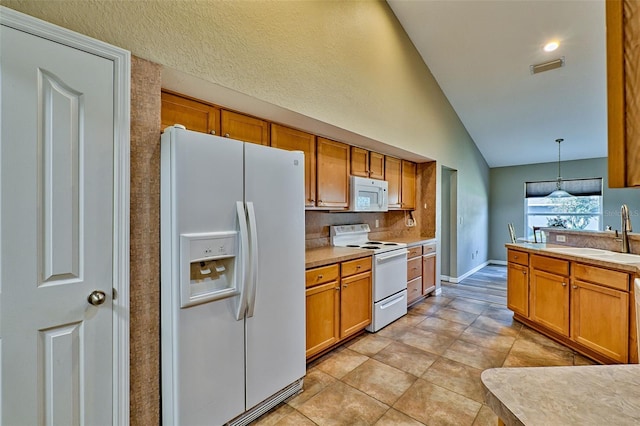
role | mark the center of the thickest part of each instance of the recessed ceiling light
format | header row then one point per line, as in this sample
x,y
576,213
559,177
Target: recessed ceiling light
x,y
551,46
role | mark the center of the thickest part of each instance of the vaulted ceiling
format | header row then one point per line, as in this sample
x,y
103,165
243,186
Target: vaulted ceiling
x,y
480,52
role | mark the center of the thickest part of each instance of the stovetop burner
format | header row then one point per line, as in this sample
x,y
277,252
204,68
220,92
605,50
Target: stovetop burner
x,y
356,236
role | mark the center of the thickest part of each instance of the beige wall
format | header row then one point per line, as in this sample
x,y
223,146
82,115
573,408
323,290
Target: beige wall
x,y
346,63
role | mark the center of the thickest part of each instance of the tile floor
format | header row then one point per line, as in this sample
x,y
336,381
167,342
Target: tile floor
x,y
423,369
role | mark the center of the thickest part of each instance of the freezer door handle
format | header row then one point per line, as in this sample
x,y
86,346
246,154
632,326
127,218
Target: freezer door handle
x,y
253,271
243,261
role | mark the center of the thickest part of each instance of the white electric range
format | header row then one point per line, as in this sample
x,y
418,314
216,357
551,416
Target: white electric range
x,y
389,272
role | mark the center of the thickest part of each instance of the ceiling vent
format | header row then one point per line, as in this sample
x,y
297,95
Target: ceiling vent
x,y
547,66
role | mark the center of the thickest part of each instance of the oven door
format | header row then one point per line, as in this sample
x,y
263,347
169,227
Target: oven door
x,y
389,273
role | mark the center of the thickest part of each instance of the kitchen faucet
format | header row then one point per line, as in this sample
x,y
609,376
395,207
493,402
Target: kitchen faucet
x,y
626,227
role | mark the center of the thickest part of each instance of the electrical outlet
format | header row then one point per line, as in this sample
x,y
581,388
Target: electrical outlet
x,y
411,222
377,223
561,239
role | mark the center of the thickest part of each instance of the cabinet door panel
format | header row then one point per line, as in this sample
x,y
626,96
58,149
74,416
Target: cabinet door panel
x,y
376,165
428,273
518,289
244,128
408,189
322,317
600,319
333,173
359,162
355,304
194,115
295,140
550,301
393,175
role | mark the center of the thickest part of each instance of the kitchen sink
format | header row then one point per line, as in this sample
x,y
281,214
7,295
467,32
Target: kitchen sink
x,y
609,256
582,251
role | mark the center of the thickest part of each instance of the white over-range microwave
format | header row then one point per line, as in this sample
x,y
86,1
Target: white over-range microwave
x,y
368,195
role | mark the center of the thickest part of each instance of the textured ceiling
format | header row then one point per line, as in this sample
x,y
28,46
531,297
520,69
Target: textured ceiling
x,y
480,52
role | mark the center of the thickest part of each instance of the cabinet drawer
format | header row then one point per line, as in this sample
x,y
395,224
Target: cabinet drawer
x,y
323,274
414,268
356,266
414,289
606,277
549,264
519,257
414,251
429,248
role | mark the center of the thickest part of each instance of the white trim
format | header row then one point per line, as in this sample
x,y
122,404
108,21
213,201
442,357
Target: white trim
x,y
446,278
498,262
456,280
122,85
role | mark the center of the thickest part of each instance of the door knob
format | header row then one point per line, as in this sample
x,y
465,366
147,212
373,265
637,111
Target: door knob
x,y
97,297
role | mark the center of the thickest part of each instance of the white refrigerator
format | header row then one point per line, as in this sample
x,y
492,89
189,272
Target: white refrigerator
x,y
232,278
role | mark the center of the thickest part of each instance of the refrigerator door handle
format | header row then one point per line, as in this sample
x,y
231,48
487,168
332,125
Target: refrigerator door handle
x,y
243,261
253,271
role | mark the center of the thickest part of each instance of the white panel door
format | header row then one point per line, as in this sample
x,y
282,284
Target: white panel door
x,y
275,358
56,178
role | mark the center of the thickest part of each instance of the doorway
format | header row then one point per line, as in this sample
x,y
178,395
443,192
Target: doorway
x,y
449,229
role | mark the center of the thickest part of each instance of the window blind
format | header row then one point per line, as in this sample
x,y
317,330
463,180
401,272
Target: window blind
x,y
576,187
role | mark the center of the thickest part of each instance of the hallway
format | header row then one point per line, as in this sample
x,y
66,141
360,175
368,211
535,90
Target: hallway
x,y
424,368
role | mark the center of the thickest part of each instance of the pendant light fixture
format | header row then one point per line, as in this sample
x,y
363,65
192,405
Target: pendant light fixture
x,y
559,193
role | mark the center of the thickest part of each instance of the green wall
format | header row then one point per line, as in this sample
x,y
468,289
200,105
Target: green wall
x,y
506,203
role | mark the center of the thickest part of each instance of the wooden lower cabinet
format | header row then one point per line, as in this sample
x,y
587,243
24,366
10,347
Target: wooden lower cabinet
x,y
549,301
580,305
600,319
518,288
355,304
428,273
323,317
338,303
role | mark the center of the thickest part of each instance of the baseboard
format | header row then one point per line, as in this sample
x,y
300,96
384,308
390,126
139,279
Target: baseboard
x,y
498,262
446,278
456,280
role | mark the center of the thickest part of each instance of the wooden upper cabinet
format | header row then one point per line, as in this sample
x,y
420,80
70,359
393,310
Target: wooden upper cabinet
x,y
296,140
244,128
359,162
194,115
623,90
376,165
393,175
408,189
367,163
332,167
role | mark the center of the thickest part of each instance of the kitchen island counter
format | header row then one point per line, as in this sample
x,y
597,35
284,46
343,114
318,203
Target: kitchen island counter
x,y
580,395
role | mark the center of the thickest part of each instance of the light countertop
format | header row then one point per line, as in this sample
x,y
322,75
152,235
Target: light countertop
x,y
584,395
327,255
543,249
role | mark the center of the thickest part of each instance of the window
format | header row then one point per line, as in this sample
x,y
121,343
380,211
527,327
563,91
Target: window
x,y
582,211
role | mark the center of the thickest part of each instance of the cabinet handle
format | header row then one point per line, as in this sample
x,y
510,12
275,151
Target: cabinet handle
x,y
358,266
319,277
337,288
515,257
312,200
574,286
564,284
226,135
213,132
320,202
344,286
524,272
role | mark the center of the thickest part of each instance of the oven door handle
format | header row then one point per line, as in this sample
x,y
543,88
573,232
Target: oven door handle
x,y
380,258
